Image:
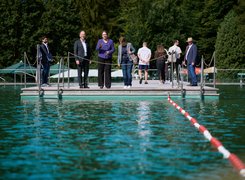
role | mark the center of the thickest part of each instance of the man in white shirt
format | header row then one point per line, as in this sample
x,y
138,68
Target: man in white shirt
x,y
174,54
144,55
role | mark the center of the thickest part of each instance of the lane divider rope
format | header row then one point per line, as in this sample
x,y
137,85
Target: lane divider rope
x,y
234,160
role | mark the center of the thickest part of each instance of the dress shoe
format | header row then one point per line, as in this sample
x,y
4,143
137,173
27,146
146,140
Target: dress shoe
x,y
45,85
101,87
81,87
141,79
86,87
191,85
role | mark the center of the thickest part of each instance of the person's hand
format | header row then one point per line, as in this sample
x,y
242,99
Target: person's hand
x,y
100,46
192,63
77,62
118,65
184,64
107,52
90,62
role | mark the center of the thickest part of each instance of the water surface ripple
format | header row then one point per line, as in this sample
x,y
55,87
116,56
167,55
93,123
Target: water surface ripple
x,y
51,139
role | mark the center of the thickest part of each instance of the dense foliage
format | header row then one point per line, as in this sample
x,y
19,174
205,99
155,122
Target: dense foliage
x,y
230,40
23,22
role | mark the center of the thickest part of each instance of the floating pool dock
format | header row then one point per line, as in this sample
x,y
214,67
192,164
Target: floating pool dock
x,y
152,90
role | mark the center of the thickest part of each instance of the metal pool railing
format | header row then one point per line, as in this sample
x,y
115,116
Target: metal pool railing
x,y
61,67
234,160
3,80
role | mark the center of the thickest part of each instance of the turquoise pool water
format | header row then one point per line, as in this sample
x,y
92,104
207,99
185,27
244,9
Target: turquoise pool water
x,y
52,139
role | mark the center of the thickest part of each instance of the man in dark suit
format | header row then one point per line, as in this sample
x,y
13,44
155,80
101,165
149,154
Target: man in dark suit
x,y
82,54
190,58
45,57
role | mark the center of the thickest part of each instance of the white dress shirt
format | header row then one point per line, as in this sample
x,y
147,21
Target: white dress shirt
x,y
84,47
188,51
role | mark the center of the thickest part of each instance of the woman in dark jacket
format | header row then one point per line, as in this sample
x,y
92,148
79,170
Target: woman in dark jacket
x,y
161,57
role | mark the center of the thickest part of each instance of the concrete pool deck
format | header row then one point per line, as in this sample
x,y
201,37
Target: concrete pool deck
x,y
152,89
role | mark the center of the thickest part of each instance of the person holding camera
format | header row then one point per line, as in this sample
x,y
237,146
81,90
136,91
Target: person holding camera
x,y
174,55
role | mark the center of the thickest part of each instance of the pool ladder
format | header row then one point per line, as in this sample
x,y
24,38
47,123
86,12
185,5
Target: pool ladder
x,y
41,91
202,90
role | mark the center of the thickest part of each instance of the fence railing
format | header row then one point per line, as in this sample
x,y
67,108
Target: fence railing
x,y
212,77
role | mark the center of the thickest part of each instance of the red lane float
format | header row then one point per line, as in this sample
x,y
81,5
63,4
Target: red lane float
x,y
234,160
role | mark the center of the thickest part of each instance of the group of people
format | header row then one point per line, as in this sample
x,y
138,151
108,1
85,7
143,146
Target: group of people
x,y
164,59
126,53
82,53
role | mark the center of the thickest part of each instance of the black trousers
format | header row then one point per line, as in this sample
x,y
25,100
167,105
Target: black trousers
x,y
104,72
161,69
83,67
175,67
45,67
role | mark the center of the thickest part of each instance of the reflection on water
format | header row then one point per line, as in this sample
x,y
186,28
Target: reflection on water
x,y
143,120
49,139
144,132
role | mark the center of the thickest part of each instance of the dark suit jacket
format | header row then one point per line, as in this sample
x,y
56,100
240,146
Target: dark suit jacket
x,y
43,54
191,55
79,50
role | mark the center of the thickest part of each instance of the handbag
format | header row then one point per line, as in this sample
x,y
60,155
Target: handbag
x,y
134,58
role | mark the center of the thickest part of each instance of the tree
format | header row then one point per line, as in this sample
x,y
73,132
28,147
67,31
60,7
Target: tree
x,y
156,21
133,17
31,13
165,20
60,22
209,19
9,32
230,43
96,16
